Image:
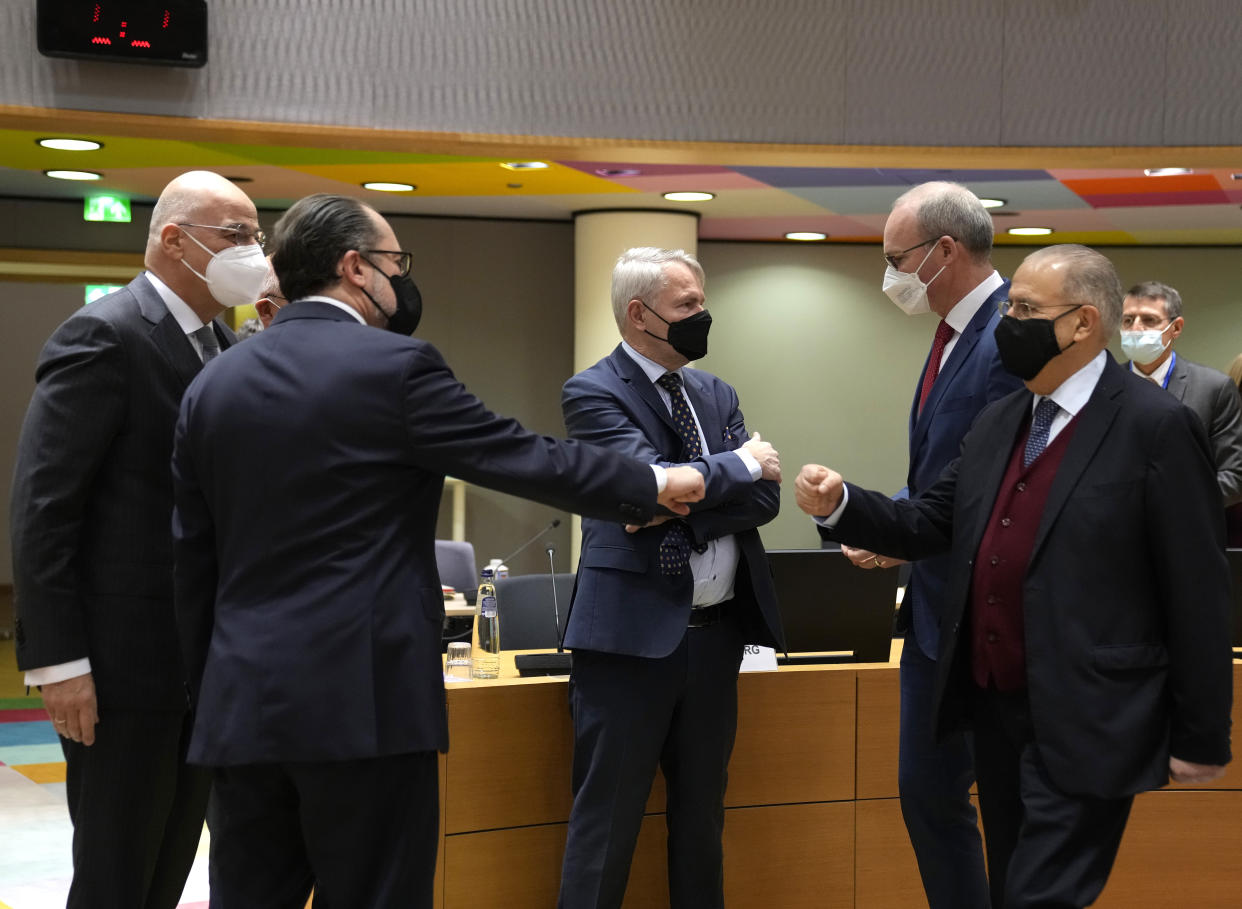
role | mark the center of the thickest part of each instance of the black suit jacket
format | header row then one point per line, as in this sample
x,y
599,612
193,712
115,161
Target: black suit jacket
x,y
622,603
308,465
1215,400
92,499
1126,600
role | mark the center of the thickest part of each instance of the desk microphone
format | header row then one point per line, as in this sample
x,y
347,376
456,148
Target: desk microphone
x,y
558,663
556,522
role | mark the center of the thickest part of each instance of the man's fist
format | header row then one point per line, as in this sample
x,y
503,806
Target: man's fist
x,y
818,490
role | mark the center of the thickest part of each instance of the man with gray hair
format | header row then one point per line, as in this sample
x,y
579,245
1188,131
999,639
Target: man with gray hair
x,y
938,246
1151,321
661,613
1087,674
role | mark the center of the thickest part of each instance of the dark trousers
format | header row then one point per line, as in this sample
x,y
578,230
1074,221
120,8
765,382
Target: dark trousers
x,y
1046,849
934,780
631,715
363,833
137,810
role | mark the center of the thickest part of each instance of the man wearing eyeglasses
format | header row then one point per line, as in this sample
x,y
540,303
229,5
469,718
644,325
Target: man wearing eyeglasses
x,y
92,551
938,246
1086,674
310,610
1152,320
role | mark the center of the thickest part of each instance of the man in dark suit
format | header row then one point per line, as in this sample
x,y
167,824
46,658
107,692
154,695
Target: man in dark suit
x,y
661,613
92,551
310,609
938,244
1085,636
1151,321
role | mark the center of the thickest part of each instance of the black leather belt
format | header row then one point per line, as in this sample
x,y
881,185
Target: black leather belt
x,y
702,616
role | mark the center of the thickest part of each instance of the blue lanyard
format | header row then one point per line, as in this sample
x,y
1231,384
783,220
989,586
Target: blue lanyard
x,y
1169,372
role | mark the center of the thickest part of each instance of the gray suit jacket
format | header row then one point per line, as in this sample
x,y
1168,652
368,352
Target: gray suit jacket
x,y
92,499
1213,396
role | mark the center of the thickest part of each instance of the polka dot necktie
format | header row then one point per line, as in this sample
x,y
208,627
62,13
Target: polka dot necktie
x,y
1041,423
676,546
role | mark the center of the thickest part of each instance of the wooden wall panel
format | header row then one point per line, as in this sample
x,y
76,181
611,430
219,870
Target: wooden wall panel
x,y
790,856
886,874
879,716
510,752
1181,849
795,739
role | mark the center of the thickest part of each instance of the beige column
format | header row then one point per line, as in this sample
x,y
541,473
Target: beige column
x,y
600,237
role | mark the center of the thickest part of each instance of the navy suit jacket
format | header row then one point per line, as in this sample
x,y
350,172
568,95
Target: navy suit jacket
x,y
1126,600
968,380
622,603
92,499
308,467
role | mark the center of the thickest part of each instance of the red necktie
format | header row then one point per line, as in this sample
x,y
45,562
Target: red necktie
x,y
944,332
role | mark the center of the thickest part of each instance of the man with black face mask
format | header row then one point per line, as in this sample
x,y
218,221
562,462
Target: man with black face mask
x,y
1086,674
661,613
310,611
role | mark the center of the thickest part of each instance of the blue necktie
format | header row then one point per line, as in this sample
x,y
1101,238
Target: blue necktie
x,y
676,546
1041,423
207,338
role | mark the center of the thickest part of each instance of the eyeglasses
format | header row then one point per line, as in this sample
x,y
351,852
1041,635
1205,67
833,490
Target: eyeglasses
x,y
237,234
404,260
1026,310
1144,321
896,258
273,298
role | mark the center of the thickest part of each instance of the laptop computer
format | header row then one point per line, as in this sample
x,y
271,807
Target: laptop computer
x,y
832,611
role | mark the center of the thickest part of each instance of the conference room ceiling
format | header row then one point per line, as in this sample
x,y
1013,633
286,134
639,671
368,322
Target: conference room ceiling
x,y
1120,206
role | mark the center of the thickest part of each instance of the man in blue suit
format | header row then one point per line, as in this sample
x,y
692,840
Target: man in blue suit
x,y
938,246
309,607
661,613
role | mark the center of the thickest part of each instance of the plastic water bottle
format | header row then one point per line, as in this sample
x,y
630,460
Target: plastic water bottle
x,y
485,643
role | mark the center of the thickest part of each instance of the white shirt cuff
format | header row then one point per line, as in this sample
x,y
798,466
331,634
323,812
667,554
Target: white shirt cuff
x,y
752,464
830,521
661,478
48,675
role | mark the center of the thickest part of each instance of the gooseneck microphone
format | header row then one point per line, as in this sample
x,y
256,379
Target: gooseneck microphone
x,y
558,663
556,522
556,607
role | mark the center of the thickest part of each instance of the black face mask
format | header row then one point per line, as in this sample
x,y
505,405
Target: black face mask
x,y
1026,346
688,336
409,312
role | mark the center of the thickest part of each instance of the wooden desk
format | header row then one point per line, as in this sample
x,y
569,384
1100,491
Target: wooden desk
x,y
812,817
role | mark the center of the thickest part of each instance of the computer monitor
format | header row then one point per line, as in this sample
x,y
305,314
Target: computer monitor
x,y
831,610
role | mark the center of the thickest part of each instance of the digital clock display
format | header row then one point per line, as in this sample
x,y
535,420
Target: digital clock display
x,y
168,32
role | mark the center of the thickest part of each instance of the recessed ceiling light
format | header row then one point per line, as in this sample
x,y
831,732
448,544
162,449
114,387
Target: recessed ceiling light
x,y
805,235
689,197
618,171
381,186
1030,231
993,203
1167,171
73,174
71,144
525,165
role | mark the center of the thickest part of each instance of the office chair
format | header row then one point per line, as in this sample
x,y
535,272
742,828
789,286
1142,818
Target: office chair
x,y
456,567
524,603
455,563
